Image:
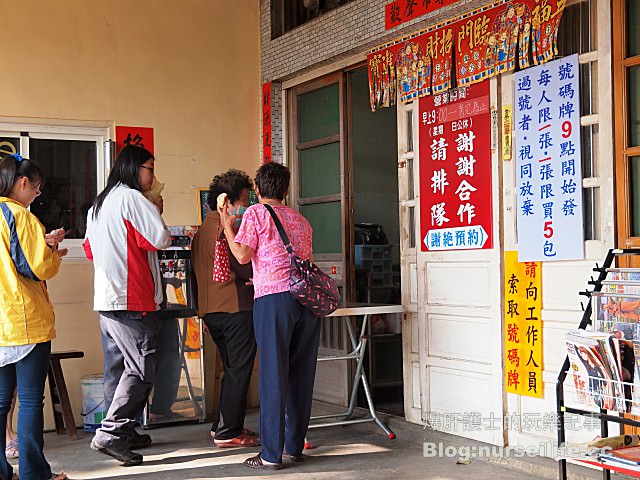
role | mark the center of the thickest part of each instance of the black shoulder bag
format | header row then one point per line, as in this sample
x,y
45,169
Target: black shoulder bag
x,y
309,285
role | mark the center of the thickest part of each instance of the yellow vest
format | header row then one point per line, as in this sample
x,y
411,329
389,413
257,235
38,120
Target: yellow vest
x,y
26,261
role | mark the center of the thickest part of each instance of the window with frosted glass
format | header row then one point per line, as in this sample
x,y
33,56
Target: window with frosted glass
x,y
325,219
320,170
319,113
633,106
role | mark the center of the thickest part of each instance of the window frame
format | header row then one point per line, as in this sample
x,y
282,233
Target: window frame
x,y
97,132
293,159
623,152
277,17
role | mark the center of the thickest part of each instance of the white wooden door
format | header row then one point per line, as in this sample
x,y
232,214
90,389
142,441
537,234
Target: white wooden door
x,y
453,328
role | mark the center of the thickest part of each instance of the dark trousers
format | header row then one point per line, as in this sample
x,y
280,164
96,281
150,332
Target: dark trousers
x,y
29,375
233,334
287,335
133,342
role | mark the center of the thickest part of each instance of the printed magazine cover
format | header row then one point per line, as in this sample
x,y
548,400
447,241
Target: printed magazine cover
x,y
596,365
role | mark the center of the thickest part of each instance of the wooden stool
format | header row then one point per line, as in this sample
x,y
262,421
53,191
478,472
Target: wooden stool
x,y
62,414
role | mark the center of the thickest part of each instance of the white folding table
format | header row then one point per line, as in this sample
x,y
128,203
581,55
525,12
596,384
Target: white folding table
x,y
357,353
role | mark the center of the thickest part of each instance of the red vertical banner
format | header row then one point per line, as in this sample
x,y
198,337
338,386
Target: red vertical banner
x,y
438,46
266,122
455,169
138,136
545,20
385,68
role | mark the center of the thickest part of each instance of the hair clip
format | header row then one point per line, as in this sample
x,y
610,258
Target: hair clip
x,y
17,157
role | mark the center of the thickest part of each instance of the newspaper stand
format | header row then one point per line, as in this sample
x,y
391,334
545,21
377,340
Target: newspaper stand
x,y
604,415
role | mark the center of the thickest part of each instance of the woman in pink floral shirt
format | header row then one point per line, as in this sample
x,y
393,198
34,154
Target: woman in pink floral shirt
x,y
287,334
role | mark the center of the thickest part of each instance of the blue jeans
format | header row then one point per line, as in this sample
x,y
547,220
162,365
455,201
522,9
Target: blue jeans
x,y
29,374
287,335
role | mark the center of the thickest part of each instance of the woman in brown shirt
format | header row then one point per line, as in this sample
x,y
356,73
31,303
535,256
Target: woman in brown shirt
x,y
227,310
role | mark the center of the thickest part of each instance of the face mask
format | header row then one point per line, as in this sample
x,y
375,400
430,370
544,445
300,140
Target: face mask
x,y
238,211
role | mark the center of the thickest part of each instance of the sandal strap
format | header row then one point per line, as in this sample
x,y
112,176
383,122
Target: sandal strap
x,y
256,462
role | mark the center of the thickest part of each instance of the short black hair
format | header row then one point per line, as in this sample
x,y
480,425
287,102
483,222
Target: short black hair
x,y
232,182
272,180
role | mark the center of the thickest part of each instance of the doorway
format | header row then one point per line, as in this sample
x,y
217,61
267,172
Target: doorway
x,y
376,240
345,181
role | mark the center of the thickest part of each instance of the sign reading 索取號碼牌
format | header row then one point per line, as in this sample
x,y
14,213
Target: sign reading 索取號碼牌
x,y
455,169
523,326
548,163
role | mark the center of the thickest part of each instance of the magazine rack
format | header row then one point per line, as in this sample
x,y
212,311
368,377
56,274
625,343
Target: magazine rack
x,y
604,415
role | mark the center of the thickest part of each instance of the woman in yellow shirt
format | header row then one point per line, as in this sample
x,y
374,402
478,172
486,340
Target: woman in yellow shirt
x,y
28,257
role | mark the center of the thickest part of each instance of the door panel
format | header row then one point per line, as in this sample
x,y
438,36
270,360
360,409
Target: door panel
x,y
457,297
317,190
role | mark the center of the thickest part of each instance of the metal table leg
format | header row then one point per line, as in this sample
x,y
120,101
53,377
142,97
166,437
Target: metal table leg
x,y
358,353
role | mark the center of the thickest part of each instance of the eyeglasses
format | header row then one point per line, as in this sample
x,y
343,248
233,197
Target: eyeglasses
x,y
36,187
151,169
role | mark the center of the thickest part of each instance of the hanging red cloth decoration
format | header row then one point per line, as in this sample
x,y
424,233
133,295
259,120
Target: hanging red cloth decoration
x,y
489,40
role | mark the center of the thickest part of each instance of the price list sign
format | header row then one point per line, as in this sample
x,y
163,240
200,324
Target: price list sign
x,y
548,162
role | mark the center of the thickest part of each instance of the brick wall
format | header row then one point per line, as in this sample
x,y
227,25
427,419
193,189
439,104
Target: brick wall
x,y
347,30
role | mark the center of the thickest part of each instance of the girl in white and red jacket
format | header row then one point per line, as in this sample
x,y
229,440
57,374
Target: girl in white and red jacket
x,y
124,232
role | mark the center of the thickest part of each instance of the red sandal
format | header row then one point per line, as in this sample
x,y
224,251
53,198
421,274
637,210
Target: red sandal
x,y
242,440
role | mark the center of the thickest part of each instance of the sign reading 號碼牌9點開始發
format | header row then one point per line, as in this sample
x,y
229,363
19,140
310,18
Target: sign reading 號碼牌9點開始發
x,y
548,163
